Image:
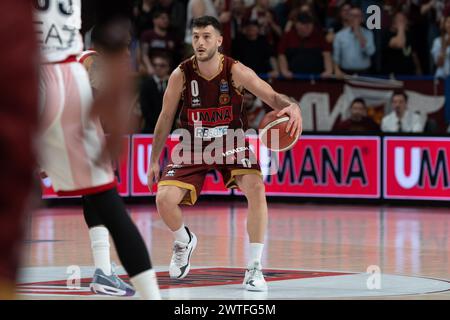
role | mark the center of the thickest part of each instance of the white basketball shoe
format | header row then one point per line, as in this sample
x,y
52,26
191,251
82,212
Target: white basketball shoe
x,y
181,257
254,278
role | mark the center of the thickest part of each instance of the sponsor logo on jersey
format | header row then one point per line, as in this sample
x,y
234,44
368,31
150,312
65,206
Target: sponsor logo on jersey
x,y
224,88
211,116
196,102
224,98
208,133
170,173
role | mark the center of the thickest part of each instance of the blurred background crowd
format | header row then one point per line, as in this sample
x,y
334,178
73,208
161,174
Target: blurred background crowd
x,y
281,39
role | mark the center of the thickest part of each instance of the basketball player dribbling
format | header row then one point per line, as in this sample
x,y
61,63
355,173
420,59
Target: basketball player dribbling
x,y
206,84
72,145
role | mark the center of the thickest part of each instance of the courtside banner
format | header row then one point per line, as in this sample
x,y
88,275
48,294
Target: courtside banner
x,y
141,148
328,167
416,168
121,171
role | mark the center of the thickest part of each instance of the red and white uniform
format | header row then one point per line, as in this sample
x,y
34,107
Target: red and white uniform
x,y
86,54
58,24
70,141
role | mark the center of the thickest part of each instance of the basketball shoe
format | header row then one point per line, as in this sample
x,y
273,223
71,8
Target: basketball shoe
x,y
181,257
254,278
110,285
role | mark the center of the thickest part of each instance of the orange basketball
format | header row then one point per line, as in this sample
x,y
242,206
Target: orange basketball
x,y
272,132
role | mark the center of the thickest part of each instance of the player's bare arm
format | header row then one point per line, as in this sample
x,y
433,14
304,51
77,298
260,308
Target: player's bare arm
x,y
245,77
164,124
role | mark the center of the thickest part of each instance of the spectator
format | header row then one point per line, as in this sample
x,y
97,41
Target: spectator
x,y
399,50
160,39
423,15
342,21
254,51
320,10
432,11
441,51
238,13
302,7
401,119
359,121
152,90
143,15
353,46
304,49
177,15
287,12
268,26
282,10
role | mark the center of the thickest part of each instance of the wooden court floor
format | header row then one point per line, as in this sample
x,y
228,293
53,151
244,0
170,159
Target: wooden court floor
x,y
405,241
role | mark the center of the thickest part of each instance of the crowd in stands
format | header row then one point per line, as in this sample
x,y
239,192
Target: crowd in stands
x,y
282,38
305,36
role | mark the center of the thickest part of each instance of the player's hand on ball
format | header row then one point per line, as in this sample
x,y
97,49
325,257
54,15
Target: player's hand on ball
x,y
153,173
294,126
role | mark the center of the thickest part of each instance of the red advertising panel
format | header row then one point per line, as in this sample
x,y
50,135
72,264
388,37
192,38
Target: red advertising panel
x,y
140,153
416,168
324,166
121,170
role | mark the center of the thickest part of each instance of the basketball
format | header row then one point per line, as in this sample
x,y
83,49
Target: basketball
x,y
272,132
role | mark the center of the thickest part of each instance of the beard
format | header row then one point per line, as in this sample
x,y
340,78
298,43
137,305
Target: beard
x,y
209,55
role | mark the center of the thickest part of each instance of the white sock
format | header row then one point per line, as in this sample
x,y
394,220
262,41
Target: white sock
x,y
100,248
146,285
256,251
182,235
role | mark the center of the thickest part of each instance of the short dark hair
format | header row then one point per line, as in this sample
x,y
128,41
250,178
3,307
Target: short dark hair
x,y
358,100
205,21
158,13
345,3
161,55
400,93
305,18
112,35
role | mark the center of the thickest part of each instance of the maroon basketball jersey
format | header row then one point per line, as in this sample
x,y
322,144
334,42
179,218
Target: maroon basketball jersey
x,y
210,107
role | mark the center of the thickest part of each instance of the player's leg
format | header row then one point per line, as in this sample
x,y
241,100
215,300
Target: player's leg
x,y
168,199
104,280
129,244
252,186
70,150
179,185
99,236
